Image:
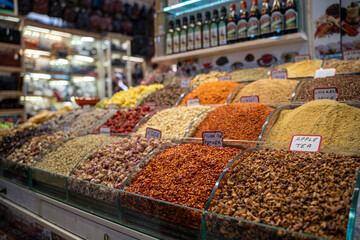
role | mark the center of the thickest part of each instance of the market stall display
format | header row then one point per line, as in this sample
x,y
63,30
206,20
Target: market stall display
x,y
172,82
249,74
211,93
90,120
206,78
302,69
164,97
348,87
58,121
239,121
6,125
45,115
341,66
302,192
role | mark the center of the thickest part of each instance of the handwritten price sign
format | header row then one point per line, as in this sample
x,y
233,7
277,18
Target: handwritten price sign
x,y
305,143
326,93
213,139
153,133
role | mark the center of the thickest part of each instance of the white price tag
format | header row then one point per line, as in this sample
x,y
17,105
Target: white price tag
x,y
159,77
351,55
151,104
305,143
193,102
43,127
323,73
225,78
67,127
153,133
300,58
249,99
330,93
105,131
279,74
213,139
185,82
86,107
112,106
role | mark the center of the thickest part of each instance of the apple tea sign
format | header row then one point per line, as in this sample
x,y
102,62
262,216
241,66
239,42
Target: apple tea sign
x,y
266,60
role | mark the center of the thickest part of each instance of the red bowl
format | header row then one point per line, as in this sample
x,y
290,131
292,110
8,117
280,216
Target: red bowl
x,y
81,101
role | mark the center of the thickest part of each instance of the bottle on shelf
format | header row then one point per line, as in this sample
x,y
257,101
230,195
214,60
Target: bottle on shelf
x,y
222,27
206,31
254,23
214,29
198,31
169,38
191,34
291,17
176,39
265,26
277,18
183,35
231,27
242,23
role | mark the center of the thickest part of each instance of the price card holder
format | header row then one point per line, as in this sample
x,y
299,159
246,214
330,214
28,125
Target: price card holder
x,y
67,127
351,55
150,104
112,106
300,58
305,143
323,73
105,131
153,133
213,138
185,82
44,126
86,107
330,93
279,74
193,102
225,78
249,99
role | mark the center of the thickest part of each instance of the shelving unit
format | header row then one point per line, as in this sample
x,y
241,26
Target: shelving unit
x,y
11,93
10,69
10,45
8,112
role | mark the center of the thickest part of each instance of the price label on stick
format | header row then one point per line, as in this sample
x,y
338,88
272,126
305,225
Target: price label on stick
x,y
105,131
351,55
153,133
330,93
249,99
225,78
86,107
112,106
305,143
67,127
185,82
151,104
193,102
323,73
213,139
300,58
279,74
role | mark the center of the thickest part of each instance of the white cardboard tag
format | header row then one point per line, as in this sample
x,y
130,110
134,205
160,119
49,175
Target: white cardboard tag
x,y
67,127
300,58
193,102
330,93
185,82
225,78
249,99
305,143
323,73
213,138
351,55
105,131
153,133
279,74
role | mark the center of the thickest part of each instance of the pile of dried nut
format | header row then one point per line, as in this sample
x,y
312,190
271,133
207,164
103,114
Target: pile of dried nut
x,y
206,78
300,191
250,74
164,97
91,120
58,121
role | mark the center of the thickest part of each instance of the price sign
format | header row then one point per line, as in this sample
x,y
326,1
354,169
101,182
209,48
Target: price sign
x,y
249,99
105,131
213,139
279,74
193,102
153,133
185,82
351,55
67,127
323,73
86,107
300,58
150,104
158,77
305,143
225,78
112,106
43,126
330,93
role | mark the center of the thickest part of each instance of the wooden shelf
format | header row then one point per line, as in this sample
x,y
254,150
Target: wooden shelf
x,y
10,93
10,45
236,47
6,112
10,69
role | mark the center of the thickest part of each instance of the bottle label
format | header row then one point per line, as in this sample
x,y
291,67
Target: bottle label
x,y
191,39
169,43
242,29
265,24
206,36
198,40
277,23
291,19
222,33
253,29
176,42
231,31
214,35
183,41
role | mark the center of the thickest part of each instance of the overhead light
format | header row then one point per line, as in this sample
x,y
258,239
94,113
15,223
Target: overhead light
x,y
37,29
60,61
53,37
40,76
61,76
179,5
83,79
59,83
133,59
88,39
37,52
62,34
84,58
9,18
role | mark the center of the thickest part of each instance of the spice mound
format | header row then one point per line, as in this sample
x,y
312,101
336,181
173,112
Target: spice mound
x,y
250,74
341,66
206,78
269,90
337,123
304,192
211,93
240,121
89,120
164,96
348,87
58,121
302,69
